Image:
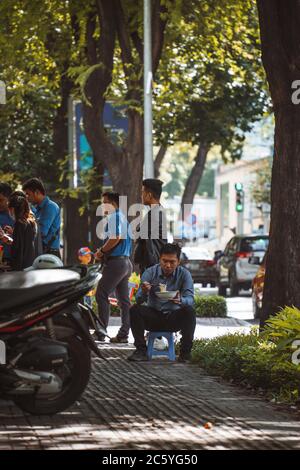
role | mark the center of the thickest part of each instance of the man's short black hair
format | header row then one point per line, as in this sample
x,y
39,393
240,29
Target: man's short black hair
x,y
171,249
154,186
34,184
5,189
112,197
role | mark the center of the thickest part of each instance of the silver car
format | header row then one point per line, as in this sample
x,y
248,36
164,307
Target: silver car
x,y
234,268
201,265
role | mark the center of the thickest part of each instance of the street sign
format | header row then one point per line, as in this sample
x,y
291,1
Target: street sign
x,y
2,93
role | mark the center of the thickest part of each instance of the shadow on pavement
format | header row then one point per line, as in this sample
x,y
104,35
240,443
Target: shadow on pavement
x,y
156,405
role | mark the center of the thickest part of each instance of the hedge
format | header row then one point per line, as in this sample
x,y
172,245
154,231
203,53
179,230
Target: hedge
x,y
210,306
260,360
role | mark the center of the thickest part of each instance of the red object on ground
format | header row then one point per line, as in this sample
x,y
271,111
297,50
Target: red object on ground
x,y
208,425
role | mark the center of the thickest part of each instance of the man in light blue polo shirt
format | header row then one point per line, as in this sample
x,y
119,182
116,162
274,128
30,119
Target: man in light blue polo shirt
x,y
154,314
47,214
115,254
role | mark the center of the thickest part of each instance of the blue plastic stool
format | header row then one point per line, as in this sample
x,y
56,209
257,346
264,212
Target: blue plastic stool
x,y
171,347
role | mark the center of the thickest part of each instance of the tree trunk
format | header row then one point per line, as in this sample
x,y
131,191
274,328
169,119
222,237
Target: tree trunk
x,y
127,173
159,159
193,180
60,124
124,164
280,37
94,201
75,230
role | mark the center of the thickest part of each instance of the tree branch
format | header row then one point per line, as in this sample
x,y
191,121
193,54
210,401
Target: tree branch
x,y
138,44
101,53
159,159
194,178
75,27
91,44
158,29
98,82
123,36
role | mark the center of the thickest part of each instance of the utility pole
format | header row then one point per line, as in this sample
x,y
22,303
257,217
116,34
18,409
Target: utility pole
x,y
73,183
148,143
2,92
240,223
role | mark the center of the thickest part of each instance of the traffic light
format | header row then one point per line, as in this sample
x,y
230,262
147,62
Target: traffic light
x,y
239,197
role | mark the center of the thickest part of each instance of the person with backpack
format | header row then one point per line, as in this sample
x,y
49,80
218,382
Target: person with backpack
x,y
47,214
151,234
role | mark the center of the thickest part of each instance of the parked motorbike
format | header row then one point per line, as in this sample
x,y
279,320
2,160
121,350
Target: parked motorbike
x,y
45,337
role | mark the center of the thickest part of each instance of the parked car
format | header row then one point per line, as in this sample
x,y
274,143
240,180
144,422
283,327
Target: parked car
x,y
234,269
201,264
258,287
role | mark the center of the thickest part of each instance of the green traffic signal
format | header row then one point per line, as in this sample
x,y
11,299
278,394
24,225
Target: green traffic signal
x,y
239,197
239,207
238,186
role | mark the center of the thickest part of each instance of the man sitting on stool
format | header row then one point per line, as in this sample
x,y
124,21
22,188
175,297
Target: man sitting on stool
x,y
157,315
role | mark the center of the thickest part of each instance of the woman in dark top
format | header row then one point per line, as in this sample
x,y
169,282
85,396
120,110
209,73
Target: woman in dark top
x,y
22,248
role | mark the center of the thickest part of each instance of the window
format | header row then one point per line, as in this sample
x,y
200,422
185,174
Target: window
x,y
254,244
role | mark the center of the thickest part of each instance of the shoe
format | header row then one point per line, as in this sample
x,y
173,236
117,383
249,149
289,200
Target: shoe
x,y
184,358
138,356
118,339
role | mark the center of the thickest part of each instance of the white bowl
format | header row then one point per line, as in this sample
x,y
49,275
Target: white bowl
x,y
167,295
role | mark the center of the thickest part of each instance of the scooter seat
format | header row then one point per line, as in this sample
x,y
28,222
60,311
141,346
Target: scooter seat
x,y
20,288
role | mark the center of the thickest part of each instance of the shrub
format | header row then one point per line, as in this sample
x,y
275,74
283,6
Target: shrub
x,y
261,361
283,328
221,355
210,306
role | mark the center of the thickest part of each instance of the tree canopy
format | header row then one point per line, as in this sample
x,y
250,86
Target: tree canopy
x,y
208,86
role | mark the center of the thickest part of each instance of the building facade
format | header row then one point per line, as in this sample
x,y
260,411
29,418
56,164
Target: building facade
x,y
252,219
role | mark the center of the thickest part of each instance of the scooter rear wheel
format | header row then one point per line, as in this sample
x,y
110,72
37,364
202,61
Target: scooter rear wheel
x,y
79,365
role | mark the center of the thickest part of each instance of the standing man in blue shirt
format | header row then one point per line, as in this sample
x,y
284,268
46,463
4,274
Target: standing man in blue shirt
x,y
6,220
153,314
47,214
115,254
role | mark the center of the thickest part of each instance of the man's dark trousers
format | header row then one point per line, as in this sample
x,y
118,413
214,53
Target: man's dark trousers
x,y
115,275
147,318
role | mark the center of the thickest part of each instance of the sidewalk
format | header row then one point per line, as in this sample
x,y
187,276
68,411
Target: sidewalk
x,y
205,327
155,405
